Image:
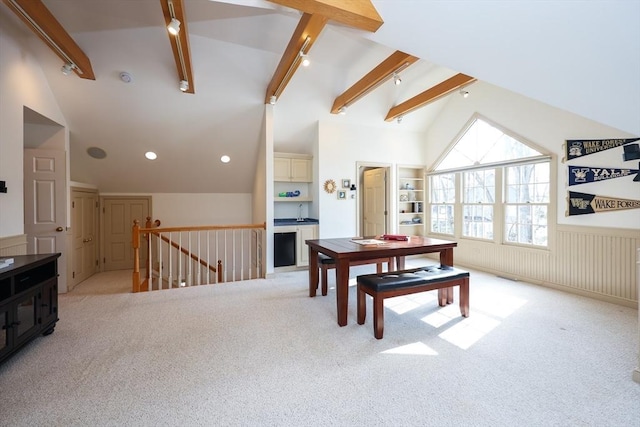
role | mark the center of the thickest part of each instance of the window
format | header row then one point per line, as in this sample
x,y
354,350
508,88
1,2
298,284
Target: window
x,y
443,197
504,188
526,204
479,195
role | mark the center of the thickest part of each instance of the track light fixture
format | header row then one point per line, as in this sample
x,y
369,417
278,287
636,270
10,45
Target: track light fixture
x,y
300,58
399,119
174,26
184,85
464,93
342,111
68,68
273,100
396,79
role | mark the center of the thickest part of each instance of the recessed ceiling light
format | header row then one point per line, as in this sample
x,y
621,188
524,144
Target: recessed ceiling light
x,y
151,155
225,159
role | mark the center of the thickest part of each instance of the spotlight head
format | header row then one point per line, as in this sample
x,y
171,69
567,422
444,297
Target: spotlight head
x,y
342,111
67,68
396,79
464,93
305,59
174,26
272,100
184,85
399,119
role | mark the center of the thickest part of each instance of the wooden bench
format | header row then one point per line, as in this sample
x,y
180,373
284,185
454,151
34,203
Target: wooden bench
x,y
326,263
405,282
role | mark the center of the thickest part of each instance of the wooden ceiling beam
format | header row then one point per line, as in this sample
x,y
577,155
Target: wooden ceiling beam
x,y
360,14
395,63
42,22
179,42
430,95
309,27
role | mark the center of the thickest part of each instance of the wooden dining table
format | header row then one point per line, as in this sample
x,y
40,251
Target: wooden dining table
x,y
346,250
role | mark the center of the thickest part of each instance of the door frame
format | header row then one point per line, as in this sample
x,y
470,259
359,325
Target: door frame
x,y
102,216
362,166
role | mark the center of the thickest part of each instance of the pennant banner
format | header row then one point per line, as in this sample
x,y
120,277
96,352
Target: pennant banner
x,y
583,147
584,203
584,174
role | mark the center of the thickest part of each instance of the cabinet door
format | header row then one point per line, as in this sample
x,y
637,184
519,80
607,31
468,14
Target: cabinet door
x,y
300,170
304,233
4,330
281,169
49,305
24,324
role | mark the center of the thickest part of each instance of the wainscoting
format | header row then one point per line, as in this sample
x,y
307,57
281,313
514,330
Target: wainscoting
x,y
595,262
13,245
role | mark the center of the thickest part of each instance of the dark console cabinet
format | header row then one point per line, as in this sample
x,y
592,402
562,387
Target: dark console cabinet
x,y
28,300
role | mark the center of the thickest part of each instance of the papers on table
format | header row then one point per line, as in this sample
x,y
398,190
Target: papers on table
x,y
369,242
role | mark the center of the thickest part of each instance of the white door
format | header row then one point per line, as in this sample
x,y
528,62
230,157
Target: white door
x,y
45,205
374,202
84,207
119,214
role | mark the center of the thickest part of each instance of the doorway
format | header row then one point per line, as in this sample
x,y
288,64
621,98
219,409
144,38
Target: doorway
x,y
374,180
45,189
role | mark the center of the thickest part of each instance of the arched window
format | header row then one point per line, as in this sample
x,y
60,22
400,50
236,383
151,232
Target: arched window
x,y
496,183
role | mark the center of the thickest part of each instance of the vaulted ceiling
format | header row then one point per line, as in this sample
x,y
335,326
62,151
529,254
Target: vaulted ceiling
x,y
235,48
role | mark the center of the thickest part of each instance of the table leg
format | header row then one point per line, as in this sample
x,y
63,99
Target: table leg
x,y
446,258
342,290
313,271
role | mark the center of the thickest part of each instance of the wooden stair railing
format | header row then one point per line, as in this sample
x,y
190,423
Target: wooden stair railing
x,y
151,229
192,256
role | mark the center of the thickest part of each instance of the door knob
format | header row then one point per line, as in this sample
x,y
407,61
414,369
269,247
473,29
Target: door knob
x,y
59,229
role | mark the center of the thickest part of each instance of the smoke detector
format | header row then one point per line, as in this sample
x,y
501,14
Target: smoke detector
x,y
126,77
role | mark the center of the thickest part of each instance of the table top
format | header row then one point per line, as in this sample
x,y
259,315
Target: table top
x,y
346,247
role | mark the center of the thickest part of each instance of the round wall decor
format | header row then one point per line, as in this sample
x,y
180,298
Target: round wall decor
x,y
329,186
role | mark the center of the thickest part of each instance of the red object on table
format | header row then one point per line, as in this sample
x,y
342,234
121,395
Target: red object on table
x,y
400,237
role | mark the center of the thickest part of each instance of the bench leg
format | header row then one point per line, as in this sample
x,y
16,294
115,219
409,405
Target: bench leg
x,y
450,295
379,268
323,279
378,316
362,306
442,297
464,297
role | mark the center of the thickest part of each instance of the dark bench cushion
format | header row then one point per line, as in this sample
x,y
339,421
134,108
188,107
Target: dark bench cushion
x,y
408,278
325,259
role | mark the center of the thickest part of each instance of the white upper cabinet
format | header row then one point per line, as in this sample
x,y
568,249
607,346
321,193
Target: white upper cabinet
x,y
292,167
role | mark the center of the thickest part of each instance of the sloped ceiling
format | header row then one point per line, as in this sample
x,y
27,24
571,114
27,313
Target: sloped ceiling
x,y
543,50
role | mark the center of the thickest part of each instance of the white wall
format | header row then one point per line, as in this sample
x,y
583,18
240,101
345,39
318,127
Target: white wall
x,y
547,127
22,83
193,209
339,148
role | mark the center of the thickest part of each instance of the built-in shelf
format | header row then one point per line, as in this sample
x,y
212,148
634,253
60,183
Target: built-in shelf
x,y
292,199
411,200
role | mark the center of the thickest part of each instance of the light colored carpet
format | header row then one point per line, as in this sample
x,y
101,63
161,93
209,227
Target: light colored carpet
x,y
262,353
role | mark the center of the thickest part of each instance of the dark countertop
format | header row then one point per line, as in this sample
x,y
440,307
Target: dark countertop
x,y
293,221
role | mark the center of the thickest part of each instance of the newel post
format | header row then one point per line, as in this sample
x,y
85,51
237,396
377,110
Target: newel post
x,y
136,255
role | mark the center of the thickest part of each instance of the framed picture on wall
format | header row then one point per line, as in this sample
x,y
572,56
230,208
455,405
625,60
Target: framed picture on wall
x,y
342,195
346,183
